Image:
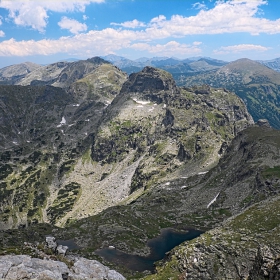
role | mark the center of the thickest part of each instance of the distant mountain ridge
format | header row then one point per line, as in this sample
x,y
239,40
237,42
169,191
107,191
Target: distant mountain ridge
x,y
256,84
170,64
273,63
12,74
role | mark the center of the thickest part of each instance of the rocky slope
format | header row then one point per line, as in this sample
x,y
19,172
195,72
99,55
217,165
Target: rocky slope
x,y
244,247
255,83
273,63
115,160
153,131
247,174
12,74
61,74
244,185
44,130
45,75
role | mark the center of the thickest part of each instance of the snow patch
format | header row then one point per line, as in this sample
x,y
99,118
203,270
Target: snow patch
x,y
164,105
76,105
183,187
15,142
213,200
63,122
152,109
140,101
140,106
167,184
201,173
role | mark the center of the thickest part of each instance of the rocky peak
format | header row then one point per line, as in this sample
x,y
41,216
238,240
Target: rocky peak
x,y
150,80
97,60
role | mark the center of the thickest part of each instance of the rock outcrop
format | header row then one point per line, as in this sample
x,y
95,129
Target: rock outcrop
x,y
24,267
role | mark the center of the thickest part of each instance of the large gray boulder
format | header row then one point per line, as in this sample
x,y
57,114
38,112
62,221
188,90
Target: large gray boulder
x,y
24,267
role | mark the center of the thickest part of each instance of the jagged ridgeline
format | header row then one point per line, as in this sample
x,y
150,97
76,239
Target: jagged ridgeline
x,y
70,155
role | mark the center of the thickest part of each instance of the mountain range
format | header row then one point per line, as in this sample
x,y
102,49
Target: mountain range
x,y
255,83
102,159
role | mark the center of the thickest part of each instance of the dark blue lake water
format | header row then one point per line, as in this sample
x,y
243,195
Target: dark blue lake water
x,y
167,240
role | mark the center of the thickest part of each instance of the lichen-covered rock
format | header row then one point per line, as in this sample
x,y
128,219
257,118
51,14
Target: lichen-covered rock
x,y
24,267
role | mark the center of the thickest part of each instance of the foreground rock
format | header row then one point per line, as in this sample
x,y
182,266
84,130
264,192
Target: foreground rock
x,y
25,267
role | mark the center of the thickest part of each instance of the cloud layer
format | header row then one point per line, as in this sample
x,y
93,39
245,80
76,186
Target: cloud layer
x,y
160,35
35,13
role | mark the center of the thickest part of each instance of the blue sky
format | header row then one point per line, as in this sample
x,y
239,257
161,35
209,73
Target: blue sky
x,y
48,31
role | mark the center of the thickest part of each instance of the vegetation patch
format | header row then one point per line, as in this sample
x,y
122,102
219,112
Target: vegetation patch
x,y
271,172
5,171
66,198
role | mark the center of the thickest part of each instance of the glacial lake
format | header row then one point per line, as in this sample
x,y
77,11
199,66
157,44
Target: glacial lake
x,y
167,240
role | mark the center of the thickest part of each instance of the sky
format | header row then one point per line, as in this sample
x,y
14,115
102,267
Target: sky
x,y
53,30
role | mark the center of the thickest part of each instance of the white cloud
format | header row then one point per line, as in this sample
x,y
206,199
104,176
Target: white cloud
x,y
2,33
158,19
72,25
130,24
34,13
85,17
226,17
171,48
199,6
241,48
84,44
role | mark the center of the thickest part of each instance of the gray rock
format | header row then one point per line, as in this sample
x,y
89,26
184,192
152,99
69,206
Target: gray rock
x,y
263,122
61,250
50,240
25,267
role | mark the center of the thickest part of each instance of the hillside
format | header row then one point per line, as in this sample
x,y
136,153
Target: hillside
x,y
44,130
256,84
61,74
106,160
243,186
12,74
